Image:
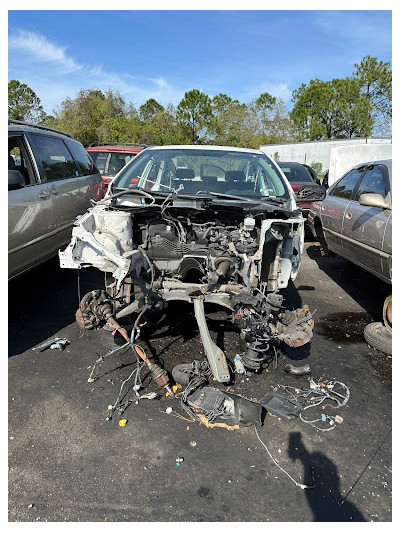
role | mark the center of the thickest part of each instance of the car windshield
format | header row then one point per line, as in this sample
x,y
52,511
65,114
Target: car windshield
x,y
110,163
198,171
296,173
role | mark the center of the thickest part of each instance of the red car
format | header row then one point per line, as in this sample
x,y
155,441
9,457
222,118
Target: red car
x,y
299,175
110,158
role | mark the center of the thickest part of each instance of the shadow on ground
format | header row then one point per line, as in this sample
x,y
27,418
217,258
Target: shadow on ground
x,y
357,282
44,301
324,499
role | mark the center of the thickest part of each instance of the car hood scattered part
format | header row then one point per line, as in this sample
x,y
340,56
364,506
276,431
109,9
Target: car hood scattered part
x,y
221,249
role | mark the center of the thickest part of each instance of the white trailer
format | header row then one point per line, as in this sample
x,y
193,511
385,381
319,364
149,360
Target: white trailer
x,y
310,152
343,158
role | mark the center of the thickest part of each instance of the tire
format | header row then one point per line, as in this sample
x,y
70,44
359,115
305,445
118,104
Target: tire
x,y
387,313
378,337
323,247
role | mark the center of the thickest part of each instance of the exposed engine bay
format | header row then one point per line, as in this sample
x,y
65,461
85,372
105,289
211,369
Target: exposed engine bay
x,y
156,248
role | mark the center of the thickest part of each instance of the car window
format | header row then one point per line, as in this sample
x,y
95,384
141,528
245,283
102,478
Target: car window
x,y
18,159
117,162
212,170
373,181
346,185
296,174
82,158
56,160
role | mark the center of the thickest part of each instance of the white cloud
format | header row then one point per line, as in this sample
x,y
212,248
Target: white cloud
x,y
41,49
54,75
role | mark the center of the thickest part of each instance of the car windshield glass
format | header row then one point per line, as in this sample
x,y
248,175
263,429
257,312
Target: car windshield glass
x,y
296,173
203,170
110,163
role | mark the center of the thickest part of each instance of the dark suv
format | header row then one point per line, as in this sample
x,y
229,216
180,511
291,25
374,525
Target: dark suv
x,y
51,181
110,158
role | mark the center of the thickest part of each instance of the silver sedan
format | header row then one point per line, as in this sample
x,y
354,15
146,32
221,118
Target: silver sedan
x,y
355,218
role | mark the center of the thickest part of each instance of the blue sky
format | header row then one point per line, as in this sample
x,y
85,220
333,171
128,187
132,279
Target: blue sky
x,y
162,54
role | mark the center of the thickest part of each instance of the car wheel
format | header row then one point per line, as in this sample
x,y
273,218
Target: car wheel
x,y
387,313
323,248
378,337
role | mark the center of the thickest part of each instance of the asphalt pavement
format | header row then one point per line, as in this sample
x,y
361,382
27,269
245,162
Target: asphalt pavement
x,y
67,463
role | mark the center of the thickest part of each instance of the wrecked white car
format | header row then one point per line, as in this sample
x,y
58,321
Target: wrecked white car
x,y
201,224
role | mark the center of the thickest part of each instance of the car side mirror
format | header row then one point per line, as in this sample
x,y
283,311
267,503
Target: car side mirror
x,y
311,193
372,199
15,180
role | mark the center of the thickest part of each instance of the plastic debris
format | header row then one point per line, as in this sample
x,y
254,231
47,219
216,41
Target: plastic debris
x,y
178,461
30,505
149,396
123,422
239,366
168,410
338,419
193,443
60,344
323,418
48,343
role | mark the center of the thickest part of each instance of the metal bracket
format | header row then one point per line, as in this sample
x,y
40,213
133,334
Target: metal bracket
x,y
215,355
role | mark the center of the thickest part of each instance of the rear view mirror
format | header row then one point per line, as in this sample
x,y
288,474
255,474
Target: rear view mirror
x,y
311,193
15,180
371,199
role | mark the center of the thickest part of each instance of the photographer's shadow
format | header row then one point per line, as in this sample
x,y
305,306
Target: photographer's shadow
x,y
325,499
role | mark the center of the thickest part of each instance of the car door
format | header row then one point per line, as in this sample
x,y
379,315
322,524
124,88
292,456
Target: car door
x,y
71,191
364,227
30,212
334,206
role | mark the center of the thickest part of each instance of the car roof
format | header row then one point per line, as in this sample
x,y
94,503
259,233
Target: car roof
x,y
206,147
387,162
113,148
290,163
18,125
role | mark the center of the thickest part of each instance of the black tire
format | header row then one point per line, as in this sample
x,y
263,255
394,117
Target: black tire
x,y
379,337
323,247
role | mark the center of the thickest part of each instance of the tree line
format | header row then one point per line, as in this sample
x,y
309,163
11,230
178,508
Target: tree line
x,y
356,106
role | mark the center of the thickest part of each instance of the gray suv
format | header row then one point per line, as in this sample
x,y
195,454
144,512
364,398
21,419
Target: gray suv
x,y
51,180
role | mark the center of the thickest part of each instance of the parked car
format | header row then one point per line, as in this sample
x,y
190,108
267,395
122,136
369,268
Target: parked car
x,y
51,180
355,218
300,175
196,224
110,158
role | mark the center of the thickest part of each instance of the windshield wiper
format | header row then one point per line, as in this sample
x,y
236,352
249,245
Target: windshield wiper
x,y
272,199
230,196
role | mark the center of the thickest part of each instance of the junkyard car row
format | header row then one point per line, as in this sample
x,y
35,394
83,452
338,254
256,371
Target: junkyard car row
x,y
191,223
